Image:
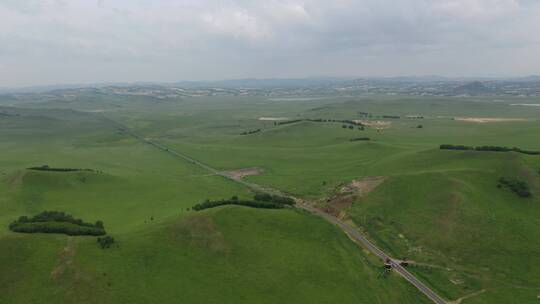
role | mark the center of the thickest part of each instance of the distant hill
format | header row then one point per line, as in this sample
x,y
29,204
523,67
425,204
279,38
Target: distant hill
x,y
472,88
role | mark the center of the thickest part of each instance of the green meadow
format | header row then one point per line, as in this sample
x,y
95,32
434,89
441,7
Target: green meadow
x,y
440,209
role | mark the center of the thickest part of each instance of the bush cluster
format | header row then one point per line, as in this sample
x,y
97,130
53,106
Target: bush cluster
x,y
250,132
105,242
266,197
254,204
456,147
56,222
520,188
360,139
47,168
289,122
488,148
55,227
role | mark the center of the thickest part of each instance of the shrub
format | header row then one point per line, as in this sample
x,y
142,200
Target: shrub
x,y
105,242
360,139
520,188
250,132
253,204
455,147
489,148
56,222
47,168
55,227
266,197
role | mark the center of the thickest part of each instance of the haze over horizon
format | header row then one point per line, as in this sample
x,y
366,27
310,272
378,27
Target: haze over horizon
x,y
46,42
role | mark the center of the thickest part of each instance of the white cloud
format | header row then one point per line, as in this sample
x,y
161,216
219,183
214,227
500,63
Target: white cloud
x,y
189,39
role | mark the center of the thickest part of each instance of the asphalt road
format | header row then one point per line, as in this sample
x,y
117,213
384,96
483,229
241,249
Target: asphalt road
x,y
351,231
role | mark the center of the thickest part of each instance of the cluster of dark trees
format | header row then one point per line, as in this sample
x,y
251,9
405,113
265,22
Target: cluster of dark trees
x,y
288,122
105,242
266,197
391,116
56,222
47,168
250,132
488,148
249,203
360,139
260,200
456,147
520,188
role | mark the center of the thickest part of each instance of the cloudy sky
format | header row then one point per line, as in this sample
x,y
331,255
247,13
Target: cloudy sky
x,y
84,41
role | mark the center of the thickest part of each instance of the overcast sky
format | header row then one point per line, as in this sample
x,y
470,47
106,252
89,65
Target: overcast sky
x,y
83,41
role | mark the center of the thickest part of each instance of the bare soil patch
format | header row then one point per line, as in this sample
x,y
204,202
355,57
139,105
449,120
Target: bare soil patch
x,y
474,294
348,193
65,259
488,119
240,173
15,179
376,124
273,118
362,187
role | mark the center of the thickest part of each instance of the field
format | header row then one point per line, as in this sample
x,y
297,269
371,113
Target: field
x,y
440,209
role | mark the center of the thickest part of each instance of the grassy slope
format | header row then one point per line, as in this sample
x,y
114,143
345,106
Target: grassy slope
x,y
226,255
444,203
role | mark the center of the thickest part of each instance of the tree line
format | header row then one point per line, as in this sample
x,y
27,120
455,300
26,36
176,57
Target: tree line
x,y
266,197
488,148
47,168
250,132
260,200
56,222
248,203
360,139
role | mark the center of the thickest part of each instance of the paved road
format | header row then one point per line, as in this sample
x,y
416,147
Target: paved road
x,y
375,250
351,231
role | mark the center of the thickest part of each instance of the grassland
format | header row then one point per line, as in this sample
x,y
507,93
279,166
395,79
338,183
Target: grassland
x,y
165,253
441,209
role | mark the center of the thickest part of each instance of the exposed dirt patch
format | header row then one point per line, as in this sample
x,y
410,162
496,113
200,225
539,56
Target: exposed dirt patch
x,y
376,124
273,118
362,187
348,193
15,179
458,301
488,119
240,173
65,259
200,231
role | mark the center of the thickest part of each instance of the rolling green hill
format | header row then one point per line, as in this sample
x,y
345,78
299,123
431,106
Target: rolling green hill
x,y
441,209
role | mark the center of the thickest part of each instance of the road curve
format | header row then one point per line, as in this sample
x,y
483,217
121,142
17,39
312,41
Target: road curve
x,y
350,230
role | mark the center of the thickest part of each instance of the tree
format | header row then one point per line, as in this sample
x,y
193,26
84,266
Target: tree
x,y
99,224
